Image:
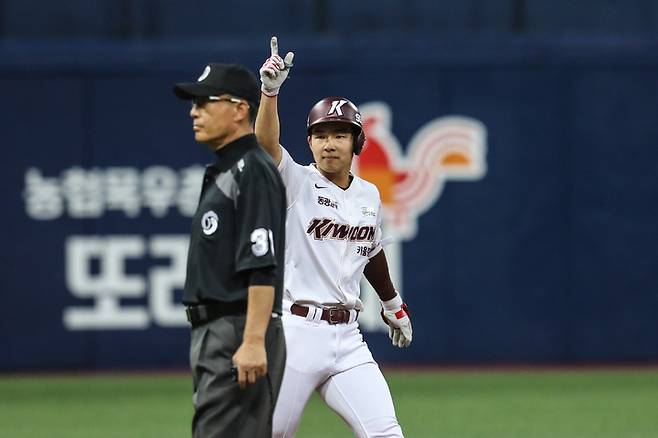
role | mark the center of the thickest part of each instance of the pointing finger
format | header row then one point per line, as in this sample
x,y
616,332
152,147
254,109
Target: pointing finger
x,y
274,46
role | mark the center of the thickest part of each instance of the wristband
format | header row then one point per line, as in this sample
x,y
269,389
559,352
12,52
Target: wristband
x,y
393,304
269,92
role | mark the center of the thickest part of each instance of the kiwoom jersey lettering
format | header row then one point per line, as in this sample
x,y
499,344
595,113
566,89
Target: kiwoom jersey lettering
x,y
338,229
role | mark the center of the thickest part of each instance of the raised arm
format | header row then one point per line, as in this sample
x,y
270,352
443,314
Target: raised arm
x,y
267,126
272,75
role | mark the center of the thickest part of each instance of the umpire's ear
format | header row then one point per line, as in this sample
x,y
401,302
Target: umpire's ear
x,y
242,112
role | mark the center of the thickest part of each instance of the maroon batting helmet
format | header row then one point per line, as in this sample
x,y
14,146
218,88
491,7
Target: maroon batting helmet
x,y
338,109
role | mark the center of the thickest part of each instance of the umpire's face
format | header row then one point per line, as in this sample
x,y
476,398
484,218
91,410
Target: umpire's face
x,y
216,118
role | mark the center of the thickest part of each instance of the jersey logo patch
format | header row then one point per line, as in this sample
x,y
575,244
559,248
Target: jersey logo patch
x,y
327,202
363,250
320,187
209,222
368,211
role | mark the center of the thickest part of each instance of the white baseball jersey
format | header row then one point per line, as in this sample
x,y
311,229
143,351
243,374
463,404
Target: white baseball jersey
x,y
330,235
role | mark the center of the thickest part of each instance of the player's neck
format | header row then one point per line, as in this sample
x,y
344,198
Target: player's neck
x,y
342,179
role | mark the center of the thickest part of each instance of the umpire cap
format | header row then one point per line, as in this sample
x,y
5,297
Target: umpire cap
x,y
233,79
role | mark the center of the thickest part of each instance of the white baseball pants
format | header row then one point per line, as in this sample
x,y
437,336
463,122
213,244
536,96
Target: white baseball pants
x,y
335,361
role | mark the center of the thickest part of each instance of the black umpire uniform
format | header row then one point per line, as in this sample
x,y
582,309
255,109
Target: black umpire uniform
x,y
237,241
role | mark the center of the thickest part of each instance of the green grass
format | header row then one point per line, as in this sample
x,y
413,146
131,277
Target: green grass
x,y
529,404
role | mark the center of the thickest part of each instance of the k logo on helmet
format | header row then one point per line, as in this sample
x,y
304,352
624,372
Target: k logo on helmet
x,y
336,107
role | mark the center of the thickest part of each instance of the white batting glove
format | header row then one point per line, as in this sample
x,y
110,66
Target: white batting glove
x,y
275,70
396,315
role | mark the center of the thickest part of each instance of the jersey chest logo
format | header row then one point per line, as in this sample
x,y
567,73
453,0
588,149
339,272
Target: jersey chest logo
x,y
323,228
327,202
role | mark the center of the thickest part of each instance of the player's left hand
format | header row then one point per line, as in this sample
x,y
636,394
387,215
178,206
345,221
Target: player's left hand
x,y
275,70
396,315
251,361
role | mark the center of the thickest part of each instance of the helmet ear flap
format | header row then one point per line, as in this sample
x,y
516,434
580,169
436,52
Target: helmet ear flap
x,y
359,141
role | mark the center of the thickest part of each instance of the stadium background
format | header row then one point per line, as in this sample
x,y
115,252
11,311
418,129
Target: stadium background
x,y
551,257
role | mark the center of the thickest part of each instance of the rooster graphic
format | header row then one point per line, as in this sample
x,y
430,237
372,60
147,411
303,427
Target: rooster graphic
x,y
446,148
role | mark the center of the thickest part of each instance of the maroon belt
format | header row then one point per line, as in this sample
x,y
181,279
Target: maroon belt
x,y
333,315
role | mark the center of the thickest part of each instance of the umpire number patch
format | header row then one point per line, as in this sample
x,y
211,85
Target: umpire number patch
x,y
262,242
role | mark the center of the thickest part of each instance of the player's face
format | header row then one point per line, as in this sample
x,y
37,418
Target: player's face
x,y
214,120
331,144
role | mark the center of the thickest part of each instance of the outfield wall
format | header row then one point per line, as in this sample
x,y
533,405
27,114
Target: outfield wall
x,y
531,238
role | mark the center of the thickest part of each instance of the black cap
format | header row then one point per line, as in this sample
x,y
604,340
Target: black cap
x,y
233,79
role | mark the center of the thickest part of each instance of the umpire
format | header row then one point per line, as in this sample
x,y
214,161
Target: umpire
x,y
235,262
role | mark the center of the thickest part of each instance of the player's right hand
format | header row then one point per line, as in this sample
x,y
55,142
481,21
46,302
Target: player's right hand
x,y
275,70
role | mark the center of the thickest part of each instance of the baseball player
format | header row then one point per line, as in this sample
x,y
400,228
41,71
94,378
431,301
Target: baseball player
x,y
333,237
